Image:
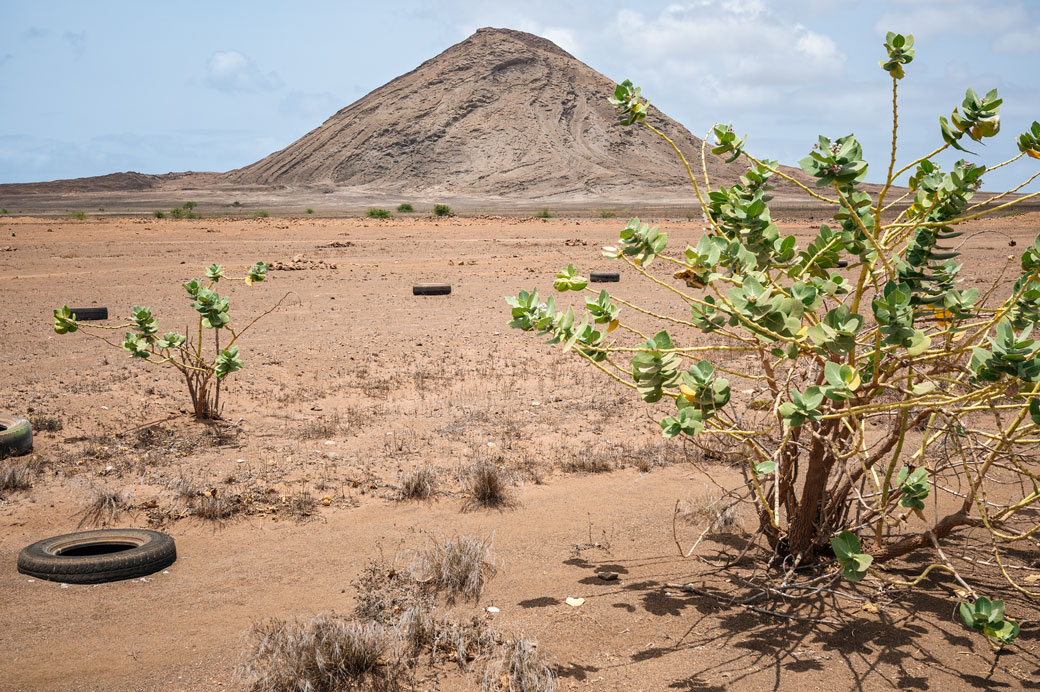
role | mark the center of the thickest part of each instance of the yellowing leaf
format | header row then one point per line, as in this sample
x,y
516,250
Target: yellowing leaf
x,y
688,393
1032,578
870,607
855,383
612,326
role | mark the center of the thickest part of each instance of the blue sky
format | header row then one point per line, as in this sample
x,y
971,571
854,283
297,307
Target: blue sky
x,y
97,87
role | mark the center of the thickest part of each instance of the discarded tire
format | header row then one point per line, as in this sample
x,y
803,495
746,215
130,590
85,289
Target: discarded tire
x,y
83,314
431,289
601,277
15,436
92,557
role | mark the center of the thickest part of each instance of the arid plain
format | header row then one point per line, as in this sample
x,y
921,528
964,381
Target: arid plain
x,y
349,386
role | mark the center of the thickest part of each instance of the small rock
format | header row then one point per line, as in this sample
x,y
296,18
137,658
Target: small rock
x,y
493,609
607,576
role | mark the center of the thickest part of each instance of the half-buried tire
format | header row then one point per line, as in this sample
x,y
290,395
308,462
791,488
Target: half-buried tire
x,y
431,289
92,557
83,314
602,277
15,436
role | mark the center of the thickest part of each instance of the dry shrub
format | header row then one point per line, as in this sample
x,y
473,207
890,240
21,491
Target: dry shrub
x,y
17,474
598,461
322,428
488,484
323,654
103,506
519,667
460,567
722,514
46,423
301,505
213,506
418,484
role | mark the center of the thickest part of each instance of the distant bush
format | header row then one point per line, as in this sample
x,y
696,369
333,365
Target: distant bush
x,y
159,214
405,208
544,214
3,211
262,214
236,203
101,209
309,210
185,212
190,205
79,215
442,210
379,214
607,214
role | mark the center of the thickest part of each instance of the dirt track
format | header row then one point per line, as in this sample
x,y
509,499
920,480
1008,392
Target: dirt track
x,y
353,381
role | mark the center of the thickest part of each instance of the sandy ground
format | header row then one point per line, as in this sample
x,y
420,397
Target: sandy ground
x,y
354,381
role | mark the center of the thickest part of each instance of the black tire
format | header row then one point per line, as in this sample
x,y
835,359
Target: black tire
x,y
15,436
431,289
81,558
602,277
83,314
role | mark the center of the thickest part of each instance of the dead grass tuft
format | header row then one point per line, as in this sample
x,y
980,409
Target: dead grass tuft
x,y
103,506
519,667
418,484
488,484
46,423
323,654
17,474
722,514
459,567
301,505
213,506
322,428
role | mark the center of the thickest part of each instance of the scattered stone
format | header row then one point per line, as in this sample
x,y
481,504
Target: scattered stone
x,y
607,576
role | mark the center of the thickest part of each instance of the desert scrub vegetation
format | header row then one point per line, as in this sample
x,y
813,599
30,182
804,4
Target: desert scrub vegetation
x,y
322,654
544,213
405,208
17,474
103,506
879,389
488,484
203,373
396,624
79,215
442,210
379,214
458,568
417,484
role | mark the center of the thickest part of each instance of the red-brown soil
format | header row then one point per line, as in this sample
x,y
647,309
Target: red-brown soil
x,y
354,380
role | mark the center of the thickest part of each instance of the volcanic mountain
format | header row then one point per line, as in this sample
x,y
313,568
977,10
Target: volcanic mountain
x,y
503,113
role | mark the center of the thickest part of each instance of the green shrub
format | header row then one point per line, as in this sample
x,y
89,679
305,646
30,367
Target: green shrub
x,y
544,214
79,215
442,210
607,214
159,214
379,214
309,210
880,390
101,209
202,373
190,205
405,208
236,203
262,214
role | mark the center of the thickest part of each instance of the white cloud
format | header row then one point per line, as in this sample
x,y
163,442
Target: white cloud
x,y
310,106
735,52
956,18
1024,40
230,71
